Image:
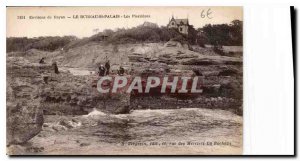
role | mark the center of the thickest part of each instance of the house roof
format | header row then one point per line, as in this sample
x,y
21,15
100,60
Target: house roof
x,y
184,21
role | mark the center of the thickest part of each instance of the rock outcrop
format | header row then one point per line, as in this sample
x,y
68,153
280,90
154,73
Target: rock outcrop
x,y
24,111
34,90
77,95
222,79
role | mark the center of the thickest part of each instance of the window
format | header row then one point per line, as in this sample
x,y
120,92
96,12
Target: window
x,y
173,23
180,29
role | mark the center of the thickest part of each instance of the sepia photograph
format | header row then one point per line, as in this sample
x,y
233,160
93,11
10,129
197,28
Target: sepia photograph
x,y
124,80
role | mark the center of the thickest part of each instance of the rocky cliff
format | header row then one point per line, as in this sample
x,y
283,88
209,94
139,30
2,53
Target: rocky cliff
x,y
24,111
34,90
222,78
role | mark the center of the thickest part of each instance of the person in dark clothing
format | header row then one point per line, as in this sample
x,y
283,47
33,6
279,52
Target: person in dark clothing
x,y
101,70
42,61
107,67
121,71
46,79
54,64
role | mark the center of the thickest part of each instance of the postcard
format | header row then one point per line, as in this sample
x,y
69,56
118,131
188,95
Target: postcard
x,y
124,80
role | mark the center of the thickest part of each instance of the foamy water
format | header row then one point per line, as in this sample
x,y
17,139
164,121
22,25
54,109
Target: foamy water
x,y
106,133
95,112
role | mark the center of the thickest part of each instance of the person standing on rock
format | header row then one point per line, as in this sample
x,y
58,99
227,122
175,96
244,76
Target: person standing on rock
x,y
42,61
54,64
121,71
107,67
101,71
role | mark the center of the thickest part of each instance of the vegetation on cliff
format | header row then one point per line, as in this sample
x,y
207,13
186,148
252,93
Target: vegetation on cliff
x,y
219,34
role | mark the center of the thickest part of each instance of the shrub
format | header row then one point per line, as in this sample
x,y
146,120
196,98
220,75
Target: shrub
x,y
41,43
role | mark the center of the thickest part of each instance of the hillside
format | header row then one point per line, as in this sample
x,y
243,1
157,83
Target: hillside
x,y
93,54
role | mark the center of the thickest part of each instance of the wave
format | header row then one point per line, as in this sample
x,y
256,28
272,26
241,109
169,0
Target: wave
x,y
95,112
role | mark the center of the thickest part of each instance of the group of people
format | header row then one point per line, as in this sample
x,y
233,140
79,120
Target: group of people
x,y
105,69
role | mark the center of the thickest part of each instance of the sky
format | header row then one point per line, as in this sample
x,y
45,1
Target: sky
x,y
84,27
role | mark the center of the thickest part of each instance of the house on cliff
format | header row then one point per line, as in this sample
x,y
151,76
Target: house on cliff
x,y
182,25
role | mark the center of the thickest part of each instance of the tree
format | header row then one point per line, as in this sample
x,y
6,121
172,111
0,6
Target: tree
x,y
192,35
221,34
